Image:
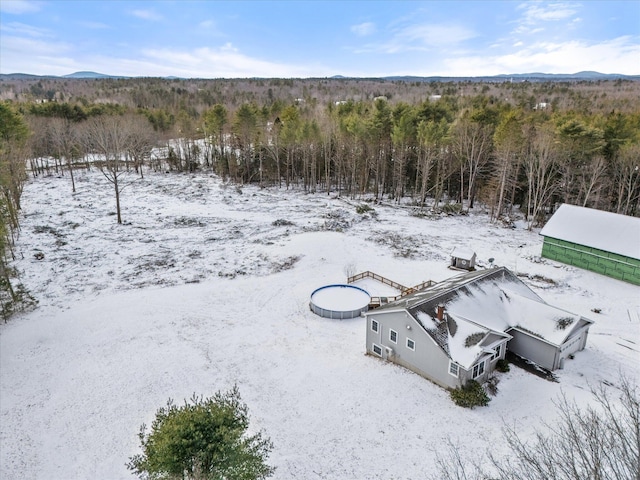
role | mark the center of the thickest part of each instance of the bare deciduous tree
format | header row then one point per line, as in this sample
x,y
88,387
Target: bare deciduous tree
x,y
509,146
627,179
599,442
110,138
63,139
541,169
472,145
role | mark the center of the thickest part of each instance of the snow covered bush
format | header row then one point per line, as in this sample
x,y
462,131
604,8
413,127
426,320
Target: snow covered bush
x,y
502,366
492,385
471,395
204,439
364,208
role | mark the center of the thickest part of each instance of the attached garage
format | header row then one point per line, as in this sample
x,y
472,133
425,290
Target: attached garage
x,y
603,242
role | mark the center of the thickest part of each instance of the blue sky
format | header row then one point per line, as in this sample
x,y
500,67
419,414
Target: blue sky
x,y
231,39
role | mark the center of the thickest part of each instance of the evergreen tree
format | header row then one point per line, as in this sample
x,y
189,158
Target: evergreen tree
x,y
205,439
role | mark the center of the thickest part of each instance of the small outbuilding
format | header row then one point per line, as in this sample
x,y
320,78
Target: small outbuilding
x,y
603,242
463,259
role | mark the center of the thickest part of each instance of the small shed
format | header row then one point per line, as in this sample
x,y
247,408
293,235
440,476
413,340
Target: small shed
x,y
603,242
463,258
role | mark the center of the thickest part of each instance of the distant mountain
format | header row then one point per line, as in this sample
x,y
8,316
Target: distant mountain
x,y
587,75
76,75
87,75
520,77
24,76
533,77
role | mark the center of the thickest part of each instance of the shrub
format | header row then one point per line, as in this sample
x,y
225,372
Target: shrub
x,y
452,208
471,395
204,439
281,222
502,365
492,385
364,208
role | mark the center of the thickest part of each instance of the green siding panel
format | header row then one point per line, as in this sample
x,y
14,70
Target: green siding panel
x,y
635,279
596,260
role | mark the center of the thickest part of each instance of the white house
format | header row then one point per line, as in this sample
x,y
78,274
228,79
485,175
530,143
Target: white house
x,y
458,329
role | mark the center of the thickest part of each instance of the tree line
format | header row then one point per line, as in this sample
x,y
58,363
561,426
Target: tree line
x,y
14,152
444,149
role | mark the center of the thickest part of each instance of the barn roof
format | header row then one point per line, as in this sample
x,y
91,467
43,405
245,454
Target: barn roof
x,y
606,231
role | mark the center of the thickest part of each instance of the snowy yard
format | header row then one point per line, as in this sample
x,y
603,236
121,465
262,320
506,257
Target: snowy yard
x,y
207,285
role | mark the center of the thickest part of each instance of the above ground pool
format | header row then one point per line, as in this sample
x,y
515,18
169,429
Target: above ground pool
x,y
339,301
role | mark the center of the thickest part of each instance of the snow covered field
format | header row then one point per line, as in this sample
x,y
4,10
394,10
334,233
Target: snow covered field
x,y
207,285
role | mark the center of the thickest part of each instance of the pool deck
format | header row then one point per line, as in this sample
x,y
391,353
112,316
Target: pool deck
x,y
376,288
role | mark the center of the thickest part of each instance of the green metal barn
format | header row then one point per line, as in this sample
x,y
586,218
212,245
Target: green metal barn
x,y
603,242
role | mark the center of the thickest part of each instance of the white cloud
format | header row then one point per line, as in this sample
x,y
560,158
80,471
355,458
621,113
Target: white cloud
x,y
527,30
18,28
363,29
39,57
20,55
536,14
225,61
421,37
619,55
147,15
435,35
18,7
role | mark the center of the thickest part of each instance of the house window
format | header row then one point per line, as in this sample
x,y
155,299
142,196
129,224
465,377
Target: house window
x,y
411,345
453,369
374,325
393,336
478,369
377,350
498,352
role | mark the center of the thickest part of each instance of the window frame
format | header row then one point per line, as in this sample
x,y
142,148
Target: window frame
x,y
479,366
457,369
393,332
497,353
373,349
377,326
413,342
